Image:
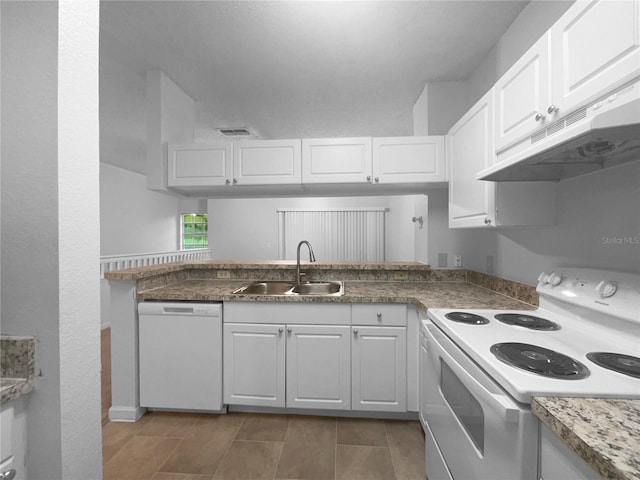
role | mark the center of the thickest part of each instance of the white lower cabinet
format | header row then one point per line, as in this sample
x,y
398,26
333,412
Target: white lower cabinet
x,y
304,364
379,368
318,367
558,462
254,364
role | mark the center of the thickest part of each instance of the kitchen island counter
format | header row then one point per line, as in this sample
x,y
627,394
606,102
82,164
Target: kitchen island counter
x,y
605,433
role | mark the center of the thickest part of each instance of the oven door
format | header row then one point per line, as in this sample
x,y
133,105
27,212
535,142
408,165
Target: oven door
x,y
481,432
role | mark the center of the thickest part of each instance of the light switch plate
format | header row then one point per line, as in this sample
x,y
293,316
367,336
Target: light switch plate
x,y
457,260
223,274
442,260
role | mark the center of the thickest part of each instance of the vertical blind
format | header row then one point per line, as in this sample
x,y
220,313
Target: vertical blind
x,y
340,234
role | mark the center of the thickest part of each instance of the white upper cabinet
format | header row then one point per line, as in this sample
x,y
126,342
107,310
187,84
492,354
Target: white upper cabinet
x,y
595,48
409,159
478,203
523,95
469,150
200,164
267,162
590,51
336,160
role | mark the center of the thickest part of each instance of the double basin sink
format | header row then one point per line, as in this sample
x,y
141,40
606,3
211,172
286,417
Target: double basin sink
x,y
274,288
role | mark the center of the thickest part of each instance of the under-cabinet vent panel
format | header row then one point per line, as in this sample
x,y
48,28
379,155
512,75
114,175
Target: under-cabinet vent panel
x,y
576,117
234,132
560,125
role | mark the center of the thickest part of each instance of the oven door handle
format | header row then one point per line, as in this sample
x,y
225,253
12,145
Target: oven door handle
x,y
499,402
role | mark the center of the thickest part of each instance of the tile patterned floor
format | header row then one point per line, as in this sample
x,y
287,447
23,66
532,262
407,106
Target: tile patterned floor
x,y
185,446
189,446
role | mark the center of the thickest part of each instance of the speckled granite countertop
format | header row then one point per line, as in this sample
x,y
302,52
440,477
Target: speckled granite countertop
x,y
17,367
603,432
424,294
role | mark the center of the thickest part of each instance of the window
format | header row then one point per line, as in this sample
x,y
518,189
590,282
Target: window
x,y
194,231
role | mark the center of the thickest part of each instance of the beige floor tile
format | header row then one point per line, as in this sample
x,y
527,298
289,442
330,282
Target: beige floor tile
x,y
309,449
115,435
406,445
204,446
264,427
168,424
140,459
180,476
361,431
363,463
250,460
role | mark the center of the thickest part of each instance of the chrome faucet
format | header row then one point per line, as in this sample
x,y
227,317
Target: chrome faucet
x,y
312,258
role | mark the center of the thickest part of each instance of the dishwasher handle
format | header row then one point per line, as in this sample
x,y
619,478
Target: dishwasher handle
x,y
180,309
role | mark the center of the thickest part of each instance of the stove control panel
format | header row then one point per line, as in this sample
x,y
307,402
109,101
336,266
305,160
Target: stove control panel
x,y
607,288
607,291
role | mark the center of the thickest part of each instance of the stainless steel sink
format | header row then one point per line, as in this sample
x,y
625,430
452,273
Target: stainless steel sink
x,y
290,288
319,288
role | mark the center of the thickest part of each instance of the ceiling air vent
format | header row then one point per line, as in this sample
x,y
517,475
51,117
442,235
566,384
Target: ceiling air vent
x,y
234,132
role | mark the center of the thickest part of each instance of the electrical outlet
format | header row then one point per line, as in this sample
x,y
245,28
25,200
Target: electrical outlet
x,y
490,264
457,260
442,260
401,275
223,274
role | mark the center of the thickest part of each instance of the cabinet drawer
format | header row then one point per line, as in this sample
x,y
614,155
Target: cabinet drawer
x,y
281,313
379,314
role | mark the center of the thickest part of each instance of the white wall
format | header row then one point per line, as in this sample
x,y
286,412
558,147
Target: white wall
x,y
247,229
598,226
50,239
136,220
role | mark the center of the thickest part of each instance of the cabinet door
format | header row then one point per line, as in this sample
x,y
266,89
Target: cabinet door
x,y
409,160
596,48
318,367
254,365
559,462
336,160
522,96
267,162
469,150
200,164
379,368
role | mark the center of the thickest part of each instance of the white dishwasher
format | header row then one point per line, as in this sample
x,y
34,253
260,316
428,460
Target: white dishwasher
x,y
180,348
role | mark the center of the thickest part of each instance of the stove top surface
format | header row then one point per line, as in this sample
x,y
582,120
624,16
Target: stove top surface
x,y
572,339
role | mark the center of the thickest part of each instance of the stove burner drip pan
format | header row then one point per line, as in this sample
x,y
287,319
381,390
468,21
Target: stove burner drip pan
x,y
540,361
527,321
625,364
468,318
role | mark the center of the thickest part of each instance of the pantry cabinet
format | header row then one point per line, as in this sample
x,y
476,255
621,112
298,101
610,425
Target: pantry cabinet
x,y
408,160
200,164
479,203
336,160
595,49
318,367
267,162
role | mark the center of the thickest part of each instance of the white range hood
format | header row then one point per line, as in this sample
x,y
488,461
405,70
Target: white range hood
x,y
604,134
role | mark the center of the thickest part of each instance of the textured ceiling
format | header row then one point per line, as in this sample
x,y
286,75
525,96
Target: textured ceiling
x,y
287,69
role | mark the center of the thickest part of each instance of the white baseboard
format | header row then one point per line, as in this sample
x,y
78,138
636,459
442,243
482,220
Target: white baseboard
x,y
126,414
